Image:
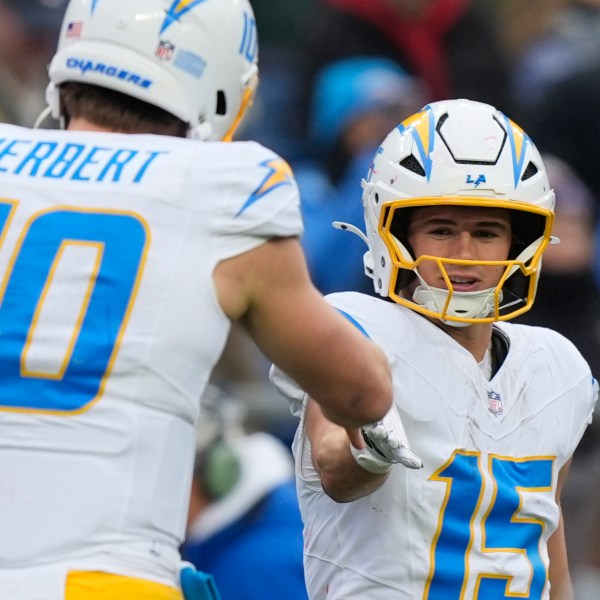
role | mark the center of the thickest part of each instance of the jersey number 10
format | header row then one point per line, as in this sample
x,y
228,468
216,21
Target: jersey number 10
x,y
79,356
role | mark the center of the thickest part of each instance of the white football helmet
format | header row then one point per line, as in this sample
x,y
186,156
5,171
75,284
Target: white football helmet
x,y
196,59
457,152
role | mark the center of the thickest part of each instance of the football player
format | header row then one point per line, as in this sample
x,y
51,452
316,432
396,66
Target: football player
x,y
458,213
124,259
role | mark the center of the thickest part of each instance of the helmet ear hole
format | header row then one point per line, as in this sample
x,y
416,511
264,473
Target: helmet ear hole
x,y
221,103
405,278
527,228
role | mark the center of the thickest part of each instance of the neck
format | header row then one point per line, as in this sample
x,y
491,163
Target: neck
x,y
475,338
81,124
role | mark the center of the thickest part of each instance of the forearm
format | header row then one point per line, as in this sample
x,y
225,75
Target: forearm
x,y
562,591
342,478
560,579
323,352
338,367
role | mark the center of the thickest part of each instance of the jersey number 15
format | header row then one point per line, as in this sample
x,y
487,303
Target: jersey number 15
x,y
504,529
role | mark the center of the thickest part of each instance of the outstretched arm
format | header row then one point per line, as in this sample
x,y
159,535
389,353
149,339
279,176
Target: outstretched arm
x,y
346,472
269,290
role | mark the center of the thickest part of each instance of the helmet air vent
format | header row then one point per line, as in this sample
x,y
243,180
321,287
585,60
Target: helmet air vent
x,y
529,172
413,165
440,122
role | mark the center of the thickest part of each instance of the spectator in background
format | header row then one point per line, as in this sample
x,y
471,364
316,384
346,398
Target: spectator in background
x,y
571,106
547,41
451,45
275,117
356,102
244,523
28,35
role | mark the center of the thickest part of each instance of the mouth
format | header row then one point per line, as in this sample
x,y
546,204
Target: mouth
x,y
463,283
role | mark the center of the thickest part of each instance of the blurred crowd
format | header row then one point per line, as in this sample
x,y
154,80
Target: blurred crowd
x,y
335,77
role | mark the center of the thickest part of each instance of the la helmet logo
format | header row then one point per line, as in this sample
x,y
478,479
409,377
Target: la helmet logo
x,y
480,179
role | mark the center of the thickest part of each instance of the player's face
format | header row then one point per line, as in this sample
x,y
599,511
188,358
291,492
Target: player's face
x,y
464,233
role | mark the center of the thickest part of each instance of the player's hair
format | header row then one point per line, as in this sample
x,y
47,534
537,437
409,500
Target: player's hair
x,y
118,112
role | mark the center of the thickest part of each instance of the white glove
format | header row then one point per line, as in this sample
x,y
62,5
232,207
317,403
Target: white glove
x,y
385,444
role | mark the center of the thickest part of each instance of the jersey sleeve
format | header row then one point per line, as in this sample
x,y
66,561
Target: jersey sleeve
x,y
259,196
364,311
574,387
582,410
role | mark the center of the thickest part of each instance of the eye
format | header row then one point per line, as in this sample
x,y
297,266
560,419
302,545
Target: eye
x,y
486,233
491,233
440,231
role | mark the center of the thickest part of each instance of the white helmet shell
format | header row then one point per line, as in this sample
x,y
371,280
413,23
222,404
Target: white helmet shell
x,y
457,152
196,59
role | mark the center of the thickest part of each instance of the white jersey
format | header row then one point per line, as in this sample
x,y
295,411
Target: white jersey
x,y
474,523
109,329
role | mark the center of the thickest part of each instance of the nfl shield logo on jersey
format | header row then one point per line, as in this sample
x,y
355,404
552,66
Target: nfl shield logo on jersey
x,y
495,403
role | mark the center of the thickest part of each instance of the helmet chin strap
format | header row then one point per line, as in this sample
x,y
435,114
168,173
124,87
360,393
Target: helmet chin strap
x,y
466,305
247,100
43,116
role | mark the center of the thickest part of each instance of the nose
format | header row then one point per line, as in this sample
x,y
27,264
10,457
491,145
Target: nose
x,y
464,246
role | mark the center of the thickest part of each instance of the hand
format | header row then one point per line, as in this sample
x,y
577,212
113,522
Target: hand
x,y
356,438
386,440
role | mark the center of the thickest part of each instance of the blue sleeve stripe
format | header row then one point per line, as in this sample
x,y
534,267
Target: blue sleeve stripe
x,y
354,322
